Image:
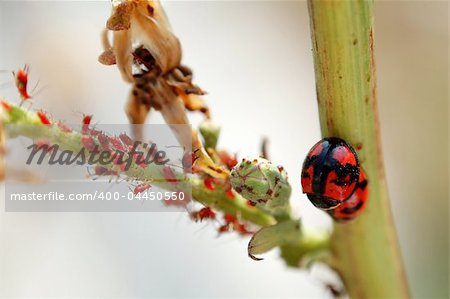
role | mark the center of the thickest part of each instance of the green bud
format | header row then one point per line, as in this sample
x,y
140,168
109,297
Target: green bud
x,y
261,182
210,133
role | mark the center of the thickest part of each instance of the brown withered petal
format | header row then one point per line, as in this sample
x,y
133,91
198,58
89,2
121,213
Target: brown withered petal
x,y
122,49
203,160
107,57
137,113
182,74
162,44
193,102
121,16
161,82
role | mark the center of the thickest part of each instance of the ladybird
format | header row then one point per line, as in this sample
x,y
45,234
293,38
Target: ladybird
x,y
353,206
330,173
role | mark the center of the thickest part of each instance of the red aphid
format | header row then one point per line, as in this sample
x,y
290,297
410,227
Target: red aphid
x,y
229,218
6,106
126,139
204,213
88,142
169,175
21,78
100,170
86,121
229,191
187,161
117,144
139,160
241,228
44,144
230,194
227,159
208,181
118,161
43,118
141,188
63,127
104,141
224,228
232,223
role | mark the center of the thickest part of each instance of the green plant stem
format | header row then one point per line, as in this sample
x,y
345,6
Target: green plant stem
x,y
365,251
19,122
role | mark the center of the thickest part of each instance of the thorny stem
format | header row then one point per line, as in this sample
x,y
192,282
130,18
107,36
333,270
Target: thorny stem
x,y
365,251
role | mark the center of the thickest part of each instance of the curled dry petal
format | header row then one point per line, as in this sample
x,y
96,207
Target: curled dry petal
x,y
122,49
137,113
107,57
144,22
163,45
121,17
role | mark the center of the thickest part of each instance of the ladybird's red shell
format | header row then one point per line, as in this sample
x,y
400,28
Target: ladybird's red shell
x,y
353,206
330,172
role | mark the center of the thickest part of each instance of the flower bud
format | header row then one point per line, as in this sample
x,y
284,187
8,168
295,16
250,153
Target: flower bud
x,y
262,183
210,132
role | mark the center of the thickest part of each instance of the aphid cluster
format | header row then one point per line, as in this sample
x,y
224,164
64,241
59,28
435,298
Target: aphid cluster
x,y
229,223
333,180
232,223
